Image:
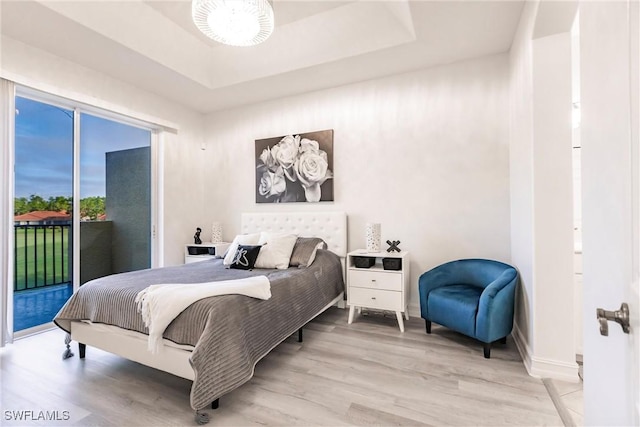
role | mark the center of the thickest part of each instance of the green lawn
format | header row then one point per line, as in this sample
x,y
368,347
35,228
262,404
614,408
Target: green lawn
x,y
40,260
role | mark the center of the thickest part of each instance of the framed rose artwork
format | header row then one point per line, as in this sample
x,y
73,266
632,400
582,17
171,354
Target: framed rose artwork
x,y
295,168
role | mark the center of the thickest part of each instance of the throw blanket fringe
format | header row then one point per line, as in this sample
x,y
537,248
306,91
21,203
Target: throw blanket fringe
x,y
160,304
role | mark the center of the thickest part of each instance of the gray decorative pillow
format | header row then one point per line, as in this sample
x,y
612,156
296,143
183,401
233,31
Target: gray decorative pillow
x,y
304,251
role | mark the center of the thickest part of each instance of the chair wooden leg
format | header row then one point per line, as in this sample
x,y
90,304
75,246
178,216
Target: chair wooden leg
x,y
503,340
427,324
487,350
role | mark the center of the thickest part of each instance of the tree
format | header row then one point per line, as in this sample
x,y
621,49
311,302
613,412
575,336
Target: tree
x,y
60,204
20,206
92,207
37,203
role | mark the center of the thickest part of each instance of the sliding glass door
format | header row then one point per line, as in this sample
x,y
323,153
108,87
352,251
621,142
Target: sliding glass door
x,y
62,152
43,208
115,197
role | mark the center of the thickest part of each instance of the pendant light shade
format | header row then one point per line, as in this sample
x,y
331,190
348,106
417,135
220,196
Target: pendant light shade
x,y
234,22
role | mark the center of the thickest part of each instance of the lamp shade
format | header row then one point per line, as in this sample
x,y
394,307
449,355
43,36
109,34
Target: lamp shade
x,y
234,22
216,232
373,232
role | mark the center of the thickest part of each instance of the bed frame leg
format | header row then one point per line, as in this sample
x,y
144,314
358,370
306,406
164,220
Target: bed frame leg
x,y
215,404
300,335
82,349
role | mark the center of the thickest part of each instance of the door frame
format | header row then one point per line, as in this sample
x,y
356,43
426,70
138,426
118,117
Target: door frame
x,y
156,189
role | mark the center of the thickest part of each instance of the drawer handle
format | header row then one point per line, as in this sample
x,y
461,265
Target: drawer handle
x,y
373,280
373,297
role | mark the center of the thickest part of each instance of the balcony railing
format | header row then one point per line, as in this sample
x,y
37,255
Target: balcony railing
x,y
42,255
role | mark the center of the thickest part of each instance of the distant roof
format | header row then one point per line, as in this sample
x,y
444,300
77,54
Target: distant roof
x,y
43,216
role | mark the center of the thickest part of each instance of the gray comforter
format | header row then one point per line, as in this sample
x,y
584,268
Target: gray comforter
x,y
231,333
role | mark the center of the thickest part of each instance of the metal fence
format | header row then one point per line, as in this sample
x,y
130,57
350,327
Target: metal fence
x,y
42,255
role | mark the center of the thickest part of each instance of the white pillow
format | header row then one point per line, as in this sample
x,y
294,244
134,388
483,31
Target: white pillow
x,y
240,239
276,250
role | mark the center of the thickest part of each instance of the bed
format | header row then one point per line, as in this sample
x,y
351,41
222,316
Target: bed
x,y
217,341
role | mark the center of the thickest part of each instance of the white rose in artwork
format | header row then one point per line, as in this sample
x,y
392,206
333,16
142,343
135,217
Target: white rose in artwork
x,y
272,183
312,169
285,153
309,145
268,160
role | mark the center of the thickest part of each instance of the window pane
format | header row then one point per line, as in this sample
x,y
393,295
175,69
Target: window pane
x,y
115,197
43,211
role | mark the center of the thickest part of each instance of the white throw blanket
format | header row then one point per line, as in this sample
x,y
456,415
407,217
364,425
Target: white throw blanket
x,y
160,304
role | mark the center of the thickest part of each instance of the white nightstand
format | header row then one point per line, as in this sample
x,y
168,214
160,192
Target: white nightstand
x,y
204,251
377,288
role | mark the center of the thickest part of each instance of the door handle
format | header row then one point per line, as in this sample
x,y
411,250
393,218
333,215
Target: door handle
x,y
619,316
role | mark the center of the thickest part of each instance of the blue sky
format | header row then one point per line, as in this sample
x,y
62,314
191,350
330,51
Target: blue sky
x,y
44,149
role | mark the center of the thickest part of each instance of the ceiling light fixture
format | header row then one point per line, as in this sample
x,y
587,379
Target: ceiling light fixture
x,y
234,22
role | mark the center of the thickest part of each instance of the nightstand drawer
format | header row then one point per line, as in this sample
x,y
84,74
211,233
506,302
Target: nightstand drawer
x,y
376,280
374,298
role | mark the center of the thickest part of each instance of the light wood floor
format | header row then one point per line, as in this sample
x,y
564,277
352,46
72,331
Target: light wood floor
x,y
367,373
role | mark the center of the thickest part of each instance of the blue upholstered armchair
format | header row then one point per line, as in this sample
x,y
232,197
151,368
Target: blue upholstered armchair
x,y
472,296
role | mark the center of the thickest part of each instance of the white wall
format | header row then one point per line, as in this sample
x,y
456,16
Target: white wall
x,y
541,191
183,164
521,172
425,154
554,341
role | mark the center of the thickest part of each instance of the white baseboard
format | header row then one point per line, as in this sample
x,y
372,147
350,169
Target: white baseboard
x,y
540,367
547,368
522,346
414,310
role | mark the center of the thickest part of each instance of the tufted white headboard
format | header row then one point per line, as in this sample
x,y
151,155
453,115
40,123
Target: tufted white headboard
x,y
329,226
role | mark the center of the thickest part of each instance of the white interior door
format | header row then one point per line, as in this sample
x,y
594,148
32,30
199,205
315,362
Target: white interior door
x,y
610,196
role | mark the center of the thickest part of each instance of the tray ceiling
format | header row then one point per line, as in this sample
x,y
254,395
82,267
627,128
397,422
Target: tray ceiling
x,y
315,45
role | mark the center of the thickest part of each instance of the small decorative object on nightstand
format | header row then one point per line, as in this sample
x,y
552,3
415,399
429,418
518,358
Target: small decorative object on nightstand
x,y
382,284
373,237
196,237
393,246
216,232
204,251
